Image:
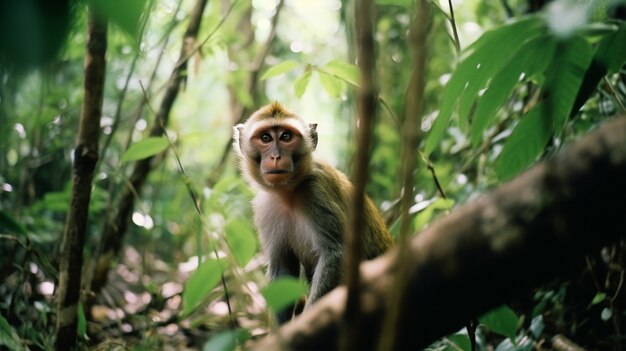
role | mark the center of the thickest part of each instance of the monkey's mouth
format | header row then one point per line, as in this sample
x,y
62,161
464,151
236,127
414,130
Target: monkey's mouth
x,y
277,176
276,171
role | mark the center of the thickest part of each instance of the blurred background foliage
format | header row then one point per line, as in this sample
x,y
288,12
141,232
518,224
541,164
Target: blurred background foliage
x,y
309,66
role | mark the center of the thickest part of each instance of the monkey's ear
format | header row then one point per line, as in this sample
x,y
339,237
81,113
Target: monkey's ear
x,y
237,134
313,133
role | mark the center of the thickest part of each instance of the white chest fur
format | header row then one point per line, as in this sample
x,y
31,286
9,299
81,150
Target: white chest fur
x,y
283,226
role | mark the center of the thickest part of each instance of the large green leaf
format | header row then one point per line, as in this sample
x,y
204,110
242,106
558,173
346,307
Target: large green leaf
x,y
612,51
279,69
200,283
241,240
526,142
608,59
501,320
482,60
283,292
533,57
145,148
506,43
564,77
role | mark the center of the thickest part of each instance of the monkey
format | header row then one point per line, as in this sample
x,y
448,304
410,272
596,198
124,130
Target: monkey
x,y
301,205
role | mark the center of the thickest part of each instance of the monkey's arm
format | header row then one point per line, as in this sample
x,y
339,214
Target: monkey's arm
x,y
328,211
283,264
327,276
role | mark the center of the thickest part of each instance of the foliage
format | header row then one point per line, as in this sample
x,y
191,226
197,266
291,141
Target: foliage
x,y
145,148
519,92
283,292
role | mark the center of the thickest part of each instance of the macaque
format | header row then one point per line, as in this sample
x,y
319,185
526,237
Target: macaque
x,y
300,210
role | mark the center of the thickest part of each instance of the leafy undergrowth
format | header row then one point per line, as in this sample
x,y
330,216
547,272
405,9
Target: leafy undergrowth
x,y
141,308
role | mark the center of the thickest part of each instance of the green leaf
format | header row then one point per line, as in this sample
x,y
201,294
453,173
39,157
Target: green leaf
x,y
125,14
612,51
479,65
565,76
343,70
527,141
200,283
609,58
331,84
426,215
533,57
537,326
227,340
461,341
507,43
241,240
283,292
301,83
598,298
145,148
10,225
279,69
501,320
82,322
9,337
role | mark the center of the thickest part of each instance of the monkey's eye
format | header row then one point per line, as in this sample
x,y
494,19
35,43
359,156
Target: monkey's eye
x,y
266,137
286,136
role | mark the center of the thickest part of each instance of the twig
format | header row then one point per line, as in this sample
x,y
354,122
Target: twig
x,y
457,44
615,94
561,343
413,105
366,109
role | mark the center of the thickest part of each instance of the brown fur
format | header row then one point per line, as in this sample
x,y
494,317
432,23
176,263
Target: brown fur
x,y
303,218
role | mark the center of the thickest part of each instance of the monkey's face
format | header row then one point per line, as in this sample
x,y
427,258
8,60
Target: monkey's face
x,y
277,152
275,148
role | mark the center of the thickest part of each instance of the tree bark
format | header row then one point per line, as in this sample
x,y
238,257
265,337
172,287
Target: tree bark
x,y
114,230
85,159
529,231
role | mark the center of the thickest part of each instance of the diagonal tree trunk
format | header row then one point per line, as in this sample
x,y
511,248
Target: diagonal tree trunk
x,y
85,159
114,229
527,232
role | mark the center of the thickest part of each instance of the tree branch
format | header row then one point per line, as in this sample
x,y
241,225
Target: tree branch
x,y
85,159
